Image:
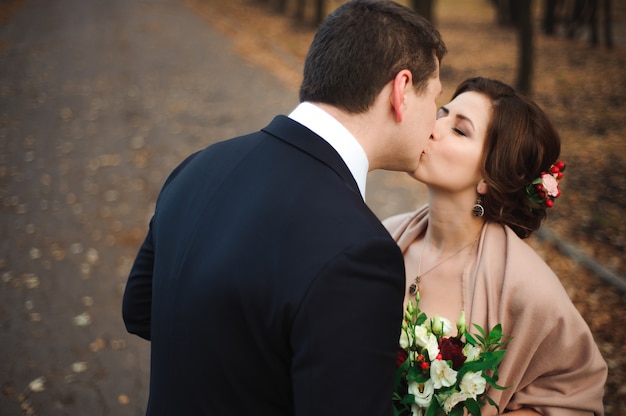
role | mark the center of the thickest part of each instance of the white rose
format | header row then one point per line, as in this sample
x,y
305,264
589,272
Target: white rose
x,y
441,326
432,345
447,327
460,323
471,352
442,374
416,410
422,392
425,339
473,384
421,335
452,400
404,340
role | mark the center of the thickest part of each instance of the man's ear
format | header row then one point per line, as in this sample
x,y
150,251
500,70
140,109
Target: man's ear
x,y
401,82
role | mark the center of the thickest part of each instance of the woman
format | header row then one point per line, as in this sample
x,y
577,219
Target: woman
x,y
464,250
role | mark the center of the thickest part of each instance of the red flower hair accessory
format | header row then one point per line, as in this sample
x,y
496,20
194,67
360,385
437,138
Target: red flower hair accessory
x,y
545,189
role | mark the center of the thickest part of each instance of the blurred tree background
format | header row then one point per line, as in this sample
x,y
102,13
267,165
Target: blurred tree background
x,y
568,16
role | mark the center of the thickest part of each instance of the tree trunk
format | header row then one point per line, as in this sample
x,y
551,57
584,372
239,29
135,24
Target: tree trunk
x,y
505,11
320,11
608,36
593,21
280,5
522,13
577,18
424,8
549,17
300,6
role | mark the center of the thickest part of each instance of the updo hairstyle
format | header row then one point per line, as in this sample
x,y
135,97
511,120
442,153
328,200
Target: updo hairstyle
x,y
521,143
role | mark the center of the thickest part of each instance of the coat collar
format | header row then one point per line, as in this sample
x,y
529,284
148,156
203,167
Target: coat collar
x,y
295,134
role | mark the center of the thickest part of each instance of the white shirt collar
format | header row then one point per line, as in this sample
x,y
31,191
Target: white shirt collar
x,y
331,130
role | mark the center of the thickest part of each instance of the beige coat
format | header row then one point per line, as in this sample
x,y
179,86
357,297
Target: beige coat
x,y
553,362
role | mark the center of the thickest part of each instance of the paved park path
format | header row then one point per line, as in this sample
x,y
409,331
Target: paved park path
x,y
99,101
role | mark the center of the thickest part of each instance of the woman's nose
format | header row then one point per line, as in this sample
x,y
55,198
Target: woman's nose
x,y
435,133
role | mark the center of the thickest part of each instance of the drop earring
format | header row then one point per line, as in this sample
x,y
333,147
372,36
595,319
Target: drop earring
x,y
478,210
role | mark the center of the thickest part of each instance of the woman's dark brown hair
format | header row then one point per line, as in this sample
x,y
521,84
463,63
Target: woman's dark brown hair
x,y
521,143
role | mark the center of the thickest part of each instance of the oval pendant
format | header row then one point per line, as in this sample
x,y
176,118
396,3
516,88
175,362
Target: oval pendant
x,y
413,289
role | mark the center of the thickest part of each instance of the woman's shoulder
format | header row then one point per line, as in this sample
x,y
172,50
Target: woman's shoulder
x,y
525,271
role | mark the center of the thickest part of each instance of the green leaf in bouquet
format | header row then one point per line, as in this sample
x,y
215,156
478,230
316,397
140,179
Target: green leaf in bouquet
x,y
493,382
494,335
408,399
472,407
491,359
421,318
400,372
499,354
494,358
493,403
481,337
434,409
474,367
470,339
480,329
417,375
421,377
457,411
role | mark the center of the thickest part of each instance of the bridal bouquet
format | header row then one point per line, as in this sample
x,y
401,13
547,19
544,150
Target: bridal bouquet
x,y
438,374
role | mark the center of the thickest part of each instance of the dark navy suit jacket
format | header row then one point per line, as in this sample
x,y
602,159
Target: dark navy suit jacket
x,y
266,285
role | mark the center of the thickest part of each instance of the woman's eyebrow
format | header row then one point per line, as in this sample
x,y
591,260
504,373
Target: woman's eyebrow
x,y
459,116
462,117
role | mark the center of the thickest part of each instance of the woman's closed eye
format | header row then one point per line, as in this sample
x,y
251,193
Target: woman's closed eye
x,y
459,131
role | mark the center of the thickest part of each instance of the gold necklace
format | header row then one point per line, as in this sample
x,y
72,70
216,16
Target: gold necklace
x,y
413,288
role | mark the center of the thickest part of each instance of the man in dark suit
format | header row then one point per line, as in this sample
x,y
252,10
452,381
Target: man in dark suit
x,y
265,284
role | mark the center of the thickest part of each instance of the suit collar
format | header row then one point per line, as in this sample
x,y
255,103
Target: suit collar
x,y
320,122
297,135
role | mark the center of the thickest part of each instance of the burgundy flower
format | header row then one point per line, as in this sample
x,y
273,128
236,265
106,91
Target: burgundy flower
x,y
402,356
452,349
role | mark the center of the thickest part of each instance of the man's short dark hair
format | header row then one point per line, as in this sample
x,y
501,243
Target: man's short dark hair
x,y
361,46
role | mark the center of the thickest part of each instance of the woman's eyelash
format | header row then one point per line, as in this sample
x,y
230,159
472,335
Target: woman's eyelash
x,y
458,131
